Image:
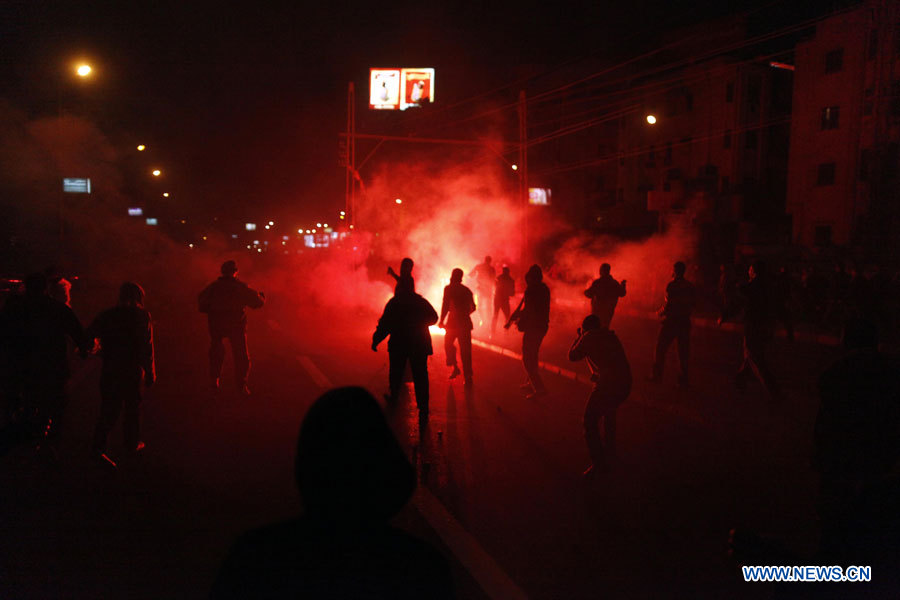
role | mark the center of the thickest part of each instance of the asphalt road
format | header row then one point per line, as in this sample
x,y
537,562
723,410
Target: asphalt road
x,y
501,489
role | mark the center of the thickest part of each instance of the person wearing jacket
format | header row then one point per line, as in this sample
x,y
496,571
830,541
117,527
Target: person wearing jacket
x,y
532,317
224,301
353,477
676,324
405,320
456,310
611,374
126,345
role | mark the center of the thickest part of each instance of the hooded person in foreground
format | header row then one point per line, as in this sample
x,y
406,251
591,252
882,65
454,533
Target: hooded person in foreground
x,y
353,478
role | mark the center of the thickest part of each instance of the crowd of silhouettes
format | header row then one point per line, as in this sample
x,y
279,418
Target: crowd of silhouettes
x,y
353,475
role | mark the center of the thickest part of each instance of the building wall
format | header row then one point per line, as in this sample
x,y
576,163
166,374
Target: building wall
x,y
824,211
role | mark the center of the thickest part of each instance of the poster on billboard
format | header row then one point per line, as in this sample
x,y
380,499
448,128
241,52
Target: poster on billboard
x,y
416,87
384,89
399,89
539,196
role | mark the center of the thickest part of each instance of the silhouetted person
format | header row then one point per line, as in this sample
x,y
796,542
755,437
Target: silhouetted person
x,y
532,317
857,440
456,308
224,301
353,478
504,289
676,324
484,274
611,375
760,300
406,319
405,276
126,345
35,328
604,294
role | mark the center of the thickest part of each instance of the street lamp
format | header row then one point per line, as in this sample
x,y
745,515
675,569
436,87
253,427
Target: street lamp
x,y
651,119
83,70
156,172
141,147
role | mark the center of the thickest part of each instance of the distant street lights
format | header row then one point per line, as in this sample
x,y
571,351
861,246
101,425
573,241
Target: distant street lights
x,y
651,119
156,172
83,70
141,147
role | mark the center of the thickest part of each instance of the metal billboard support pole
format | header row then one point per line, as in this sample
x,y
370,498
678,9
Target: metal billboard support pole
x,y
523,169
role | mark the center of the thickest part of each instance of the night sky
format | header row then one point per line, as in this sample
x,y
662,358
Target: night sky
x,y
242,103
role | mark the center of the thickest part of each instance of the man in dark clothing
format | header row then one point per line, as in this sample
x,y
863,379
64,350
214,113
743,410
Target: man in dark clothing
x,y
406,319
856,443
676,324
224,301
126,345
484,274
504,289
406,267
34,328
604,294
611,375
532,317
760,307
456,308
353,477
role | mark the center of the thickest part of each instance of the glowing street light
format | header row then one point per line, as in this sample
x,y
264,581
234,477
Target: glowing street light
x,y
318,224
165,194
156,172
514,167
651,119
83,70
398,201
141,147
343,214
271,223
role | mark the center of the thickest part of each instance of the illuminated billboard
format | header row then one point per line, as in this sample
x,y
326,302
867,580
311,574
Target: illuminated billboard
x,y
539,196
75,185
399,89
135,212
152,221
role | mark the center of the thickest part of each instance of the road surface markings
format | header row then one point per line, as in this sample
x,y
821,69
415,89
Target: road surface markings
x,y
683,412
317,375
483,568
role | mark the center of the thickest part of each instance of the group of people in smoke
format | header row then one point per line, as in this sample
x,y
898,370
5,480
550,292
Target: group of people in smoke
x,y
35,329
857,431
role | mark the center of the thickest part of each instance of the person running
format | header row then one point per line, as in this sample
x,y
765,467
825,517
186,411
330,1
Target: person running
x,y
484,274
532,317
405,320
126,345
611,375
676,324
33,333
504,289
456,308
224,301
604,294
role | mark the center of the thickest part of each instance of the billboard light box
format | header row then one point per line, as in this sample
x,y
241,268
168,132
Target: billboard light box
x,y
152,221
76,185
539,196
135,212
399,89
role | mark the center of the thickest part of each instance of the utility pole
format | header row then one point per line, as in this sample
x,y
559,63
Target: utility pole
x,y
349,182
523,168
